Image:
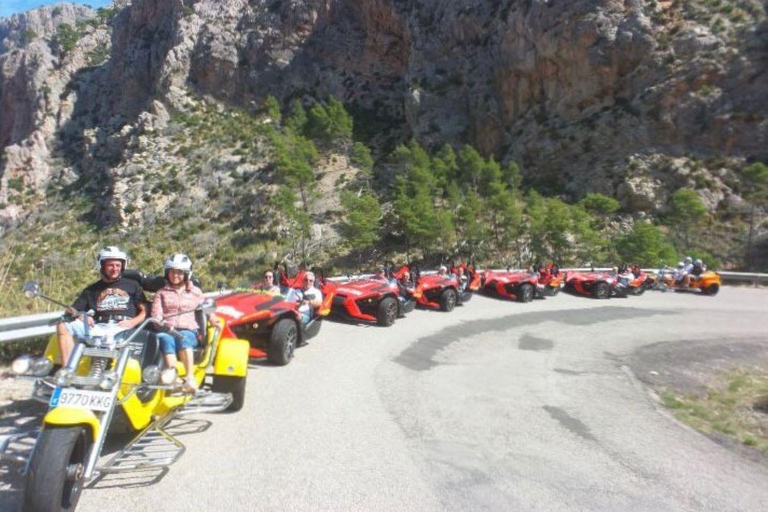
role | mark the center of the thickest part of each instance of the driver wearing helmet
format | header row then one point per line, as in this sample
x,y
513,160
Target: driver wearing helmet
x,y
682,275
112,299
442,271
697,269
179,295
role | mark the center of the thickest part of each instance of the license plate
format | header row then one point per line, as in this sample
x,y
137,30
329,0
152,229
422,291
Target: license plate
x,y
82,399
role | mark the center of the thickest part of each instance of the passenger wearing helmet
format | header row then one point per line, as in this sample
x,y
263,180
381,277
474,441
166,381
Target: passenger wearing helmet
x,y
678,273
111,299
442,271
697,268
179,295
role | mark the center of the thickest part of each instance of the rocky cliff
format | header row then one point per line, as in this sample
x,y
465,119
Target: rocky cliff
x,y
626,97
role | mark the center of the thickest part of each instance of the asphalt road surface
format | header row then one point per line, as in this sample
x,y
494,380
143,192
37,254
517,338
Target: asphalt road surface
x,y
496,406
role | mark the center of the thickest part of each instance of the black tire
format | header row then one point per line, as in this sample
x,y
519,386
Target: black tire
x,y
525,293
711,290
282,342
448,299
555,291
234,385
56,471
601,291
386,313
638,290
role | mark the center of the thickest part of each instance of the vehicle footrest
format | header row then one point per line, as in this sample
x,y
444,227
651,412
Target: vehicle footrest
x,y
206,401
16,448
42,390
152,448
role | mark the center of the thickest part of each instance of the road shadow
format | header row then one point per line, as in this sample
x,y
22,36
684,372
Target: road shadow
x,y
420,356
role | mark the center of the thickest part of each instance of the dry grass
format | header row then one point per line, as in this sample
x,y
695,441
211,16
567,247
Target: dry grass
x,y
735,406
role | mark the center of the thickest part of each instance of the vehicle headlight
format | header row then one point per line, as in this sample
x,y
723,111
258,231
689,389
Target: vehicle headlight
x,y
64,377
151,374
41,366
21,364
108,380
168,376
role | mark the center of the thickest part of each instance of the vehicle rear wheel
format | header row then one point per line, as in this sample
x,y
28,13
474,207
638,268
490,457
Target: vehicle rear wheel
x,y
230,384
448,299
525,293
601,291
282,342
57,470
711,290
555,290
387,312
638,290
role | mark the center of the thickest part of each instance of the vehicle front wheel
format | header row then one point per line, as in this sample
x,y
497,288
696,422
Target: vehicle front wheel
x,y
525,293
601,291
711,290
230,384
282,342
448,299
56,472
387,312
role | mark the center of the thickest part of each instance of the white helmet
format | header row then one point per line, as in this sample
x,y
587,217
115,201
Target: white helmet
x,y
179,261
698,262
112,252
688,259
680,264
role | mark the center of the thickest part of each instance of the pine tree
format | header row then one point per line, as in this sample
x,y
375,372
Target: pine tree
x,y
687,212
470,165
362,219
297,122
272,107
645,245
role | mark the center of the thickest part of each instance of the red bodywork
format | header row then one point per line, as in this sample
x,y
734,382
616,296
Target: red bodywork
x,y
251,315
474,278
430,287
510,284
360,299
587,283
639,281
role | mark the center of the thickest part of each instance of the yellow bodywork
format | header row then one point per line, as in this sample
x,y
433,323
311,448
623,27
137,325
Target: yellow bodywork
x,y
231,357
69,416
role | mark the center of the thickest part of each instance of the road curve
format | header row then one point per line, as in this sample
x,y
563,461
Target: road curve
x,y
496,406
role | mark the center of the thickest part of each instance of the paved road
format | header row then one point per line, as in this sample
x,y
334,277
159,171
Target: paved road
x,y
497,406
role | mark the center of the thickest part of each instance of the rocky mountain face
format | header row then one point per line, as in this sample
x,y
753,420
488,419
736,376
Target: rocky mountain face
x,y
626,97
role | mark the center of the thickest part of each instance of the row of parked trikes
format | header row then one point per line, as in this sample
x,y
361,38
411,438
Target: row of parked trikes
x,y
114,380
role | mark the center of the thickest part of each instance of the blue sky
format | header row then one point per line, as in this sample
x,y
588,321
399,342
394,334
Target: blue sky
x,y
8,7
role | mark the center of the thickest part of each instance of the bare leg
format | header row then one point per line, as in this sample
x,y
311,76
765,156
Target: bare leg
x,y
170,360
188,359
65,342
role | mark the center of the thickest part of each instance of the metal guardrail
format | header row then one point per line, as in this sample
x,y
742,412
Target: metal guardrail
x,y
32,326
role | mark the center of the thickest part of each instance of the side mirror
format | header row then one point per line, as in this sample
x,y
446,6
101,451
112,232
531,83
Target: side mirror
x,y
208,307
31,289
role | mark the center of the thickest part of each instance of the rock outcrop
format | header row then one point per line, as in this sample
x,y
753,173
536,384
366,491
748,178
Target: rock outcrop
x,y
586,95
